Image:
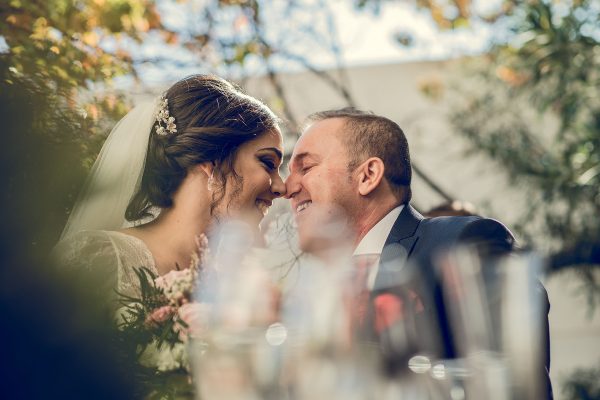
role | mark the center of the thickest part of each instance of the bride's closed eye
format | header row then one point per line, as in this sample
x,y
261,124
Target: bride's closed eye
x,y
269,163
270,158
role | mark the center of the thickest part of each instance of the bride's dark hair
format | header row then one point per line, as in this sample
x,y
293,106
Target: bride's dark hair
x,y
214,118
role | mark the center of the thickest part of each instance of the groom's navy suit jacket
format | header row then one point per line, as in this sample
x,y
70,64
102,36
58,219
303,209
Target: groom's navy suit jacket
x,y
417,240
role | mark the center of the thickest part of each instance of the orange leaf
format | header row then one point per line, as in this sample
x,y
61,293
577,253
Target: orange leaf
x,y
171,37
90,38
510,76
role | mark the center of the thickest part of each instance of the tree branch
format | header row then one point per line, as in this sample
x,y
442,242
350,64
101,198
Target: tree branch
x,y
583,253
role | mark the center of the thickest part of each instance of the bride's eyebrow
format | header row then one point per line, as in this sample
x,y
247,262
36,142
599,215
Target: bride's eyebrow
x,y
274,150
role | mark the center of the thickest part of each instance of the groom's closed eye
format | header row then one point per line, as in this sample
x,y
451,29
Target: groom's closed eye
x,y
302,161
306,167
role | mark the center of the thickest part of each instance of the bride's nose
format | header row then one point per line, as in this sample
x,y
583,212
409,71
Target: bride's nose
x,y
278,187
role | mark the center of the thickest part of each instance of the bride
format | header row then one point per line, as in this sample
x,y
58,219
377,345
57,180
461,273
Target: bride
x,y
169,171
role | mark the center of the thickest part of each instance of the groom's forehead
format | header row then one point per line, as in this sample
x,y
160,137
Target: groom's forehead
x,y
320,135
325,127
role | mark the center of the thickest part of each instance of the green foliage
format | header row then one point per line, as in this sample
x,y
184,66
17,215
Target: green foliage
x,y
583,384
534,108
43,143
63,47
165,386
65,43
136,314
56,51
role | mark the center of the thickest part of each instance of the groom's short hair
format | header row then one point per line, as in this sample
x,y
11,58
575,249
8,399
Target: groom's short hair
x,y
369,135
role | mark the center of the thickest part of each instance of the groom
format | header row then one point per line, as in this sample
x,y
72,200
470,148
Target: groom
x,y
358,163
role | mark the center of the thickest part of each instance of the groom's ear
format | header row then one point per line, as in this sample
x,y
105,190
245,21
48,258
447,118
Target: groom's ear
x,y
370,175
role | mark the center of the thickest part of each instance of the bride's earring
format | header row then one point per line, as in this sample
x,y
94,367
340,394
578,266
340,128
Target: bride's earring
x,y
211,182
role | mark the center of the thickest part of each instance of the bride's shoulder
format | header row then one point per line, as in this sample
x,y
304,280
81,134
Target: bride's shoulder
x,y
92,258
100,247
85,245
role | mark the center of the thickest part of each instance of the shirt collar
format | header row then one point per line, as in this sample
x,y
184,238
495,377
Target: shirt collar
x,y
373,241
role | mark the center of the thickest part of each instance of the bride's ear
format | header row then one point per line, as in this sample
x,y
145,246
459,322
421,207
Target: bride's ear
x,y
370,175
206,168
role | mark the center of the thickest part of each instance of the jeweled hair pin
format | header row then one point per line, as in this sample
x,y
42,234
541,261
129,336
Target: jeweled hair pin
x,y
165,124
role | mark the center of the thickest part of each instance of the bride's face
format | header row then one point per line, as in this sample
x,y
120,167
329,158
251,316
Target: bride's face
x,y
257,165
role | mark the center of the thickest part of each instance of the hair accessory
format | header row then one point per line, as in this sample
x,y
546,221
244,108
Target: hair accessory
x,y
165,124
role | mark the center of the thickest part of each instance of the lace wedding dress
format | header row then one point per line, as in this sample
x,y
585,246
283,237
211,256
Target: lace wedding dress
x,y
109,258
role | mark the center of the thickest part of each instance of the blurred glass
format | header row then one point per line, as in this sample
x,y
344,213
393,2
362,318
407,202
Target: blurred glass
x,y
239,357
309,345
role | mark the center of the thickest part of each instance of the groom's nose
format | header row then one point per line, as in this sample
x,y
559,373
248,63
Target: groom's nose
x,y
292,186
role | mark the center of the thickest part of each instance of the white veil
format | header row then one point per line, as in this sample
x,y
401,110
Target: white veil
x,y
116,174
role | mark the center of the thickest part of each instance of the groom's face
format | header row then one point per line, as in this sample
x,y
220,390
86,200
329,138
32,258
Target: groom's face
x,y
320,186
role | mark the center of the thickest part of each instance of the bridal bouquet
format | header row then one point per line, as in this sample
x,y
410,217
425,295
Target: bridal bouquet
x,y
157,325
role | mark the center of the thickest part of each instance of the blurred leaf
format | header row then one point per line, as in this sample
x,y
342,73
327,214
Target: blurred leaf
x,y
582,384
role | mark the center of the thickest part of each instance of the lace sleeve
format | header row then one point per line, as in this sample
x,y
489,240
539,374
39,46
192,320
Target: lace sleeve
x,y
91,257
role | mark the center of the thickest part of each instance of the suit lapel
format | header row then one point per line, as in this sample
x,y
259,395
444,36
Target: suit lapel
x,y
398,247
405,226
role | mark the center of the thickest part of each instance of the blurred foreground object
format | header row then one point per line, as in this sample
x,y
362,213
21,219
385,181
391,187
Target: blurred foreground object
x,y
238,355
310,345
56,342
497,313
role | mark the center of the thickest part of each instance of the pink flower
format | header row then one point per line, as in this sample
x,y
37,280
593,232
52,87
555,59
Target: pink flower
x,y
177,285
160,315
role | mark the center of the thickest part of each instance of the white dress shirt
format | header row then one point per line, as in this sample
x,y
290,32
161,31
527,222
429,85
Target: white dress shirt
x,y
373,241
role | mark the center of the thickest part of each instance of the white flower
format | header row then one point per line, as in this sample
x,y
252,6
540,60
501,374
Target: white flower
x,y
165,358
